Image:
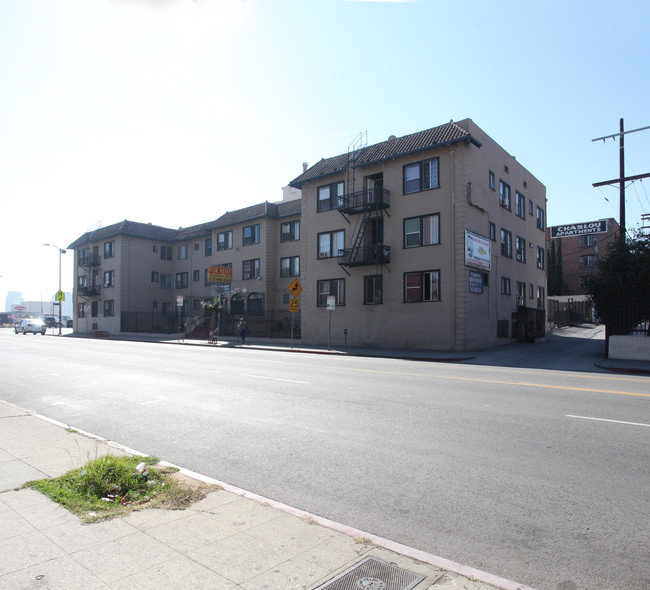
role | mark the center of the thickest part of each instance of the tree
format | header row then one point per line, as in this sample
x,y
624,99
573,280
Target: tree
x,y
620,289
555,268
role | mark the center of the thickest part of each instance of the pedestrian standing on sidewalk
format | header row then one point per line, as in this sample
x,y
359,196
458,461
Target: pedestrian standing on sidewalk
x,y
242,330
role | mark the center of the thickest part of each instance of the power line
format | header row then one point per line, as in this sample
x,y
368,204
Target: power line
x,y
622,179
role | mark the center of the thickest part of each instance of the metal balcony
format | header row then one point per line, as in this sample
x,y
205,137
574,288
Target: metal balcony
x,y
365,255
365,200
89,260
88,291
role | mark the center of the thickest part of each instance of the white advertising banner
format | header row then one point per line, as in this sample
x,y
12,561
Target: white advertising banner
x,y
477,250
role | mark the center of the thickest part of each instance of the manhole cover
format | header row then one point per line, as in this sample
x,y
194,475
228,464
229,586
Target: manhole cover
x,y
373,574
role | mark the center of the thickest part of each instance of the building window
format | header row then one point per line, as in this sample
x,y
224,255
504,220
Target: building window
x,y
422,286
154,276
251,269
540,218
330,196
590,240
286,298
521,293
108,308
505,286
109,249
290,267
531,291
196,246
109,278
520,248
154,304
520,205
94,310
541,297
182,280
81,310
155,248
530,207
493,232
165,252
540,257
330,243
506,243
196,305
492,181
329,287
224,240
420,176
422,231
251,235
585,282
182,252
165,281
196,275
587,261
504,195
290,231
372,289
208,247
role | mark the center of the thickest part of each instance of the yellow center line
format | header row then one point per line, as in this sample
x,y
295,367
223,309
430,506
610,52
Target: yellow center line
x,y
473,380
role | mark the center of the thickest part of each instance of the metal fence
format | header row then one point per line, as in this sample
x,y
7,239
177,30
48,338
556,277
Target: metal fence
x,y
631,319
272,324
568,313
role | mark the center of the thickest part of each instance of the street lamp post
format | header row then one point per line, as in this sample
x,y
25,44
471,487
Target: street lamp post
x,y
61,251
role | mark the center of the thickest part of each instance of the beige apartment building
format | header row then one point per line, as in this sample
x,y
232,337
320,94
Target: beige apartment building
x,y
434,240
137,277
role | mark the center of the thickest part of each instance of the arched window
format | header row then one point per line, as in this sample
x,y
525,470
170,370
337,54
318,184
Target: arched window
x,y
256,304
237,304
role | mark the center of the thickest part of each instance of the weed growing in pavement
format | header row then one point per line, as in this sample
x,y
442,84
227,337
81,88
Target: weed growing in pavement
x,y
110,486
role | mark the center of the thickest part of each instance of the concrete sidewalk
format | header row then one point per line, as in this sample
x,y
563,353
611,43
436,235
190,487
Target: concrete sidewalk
x,y
232,539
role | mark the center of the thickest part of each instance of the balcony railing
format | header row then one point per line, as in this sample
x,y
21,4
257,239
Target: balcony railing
x,y
89,260
366,255
88,291
365,200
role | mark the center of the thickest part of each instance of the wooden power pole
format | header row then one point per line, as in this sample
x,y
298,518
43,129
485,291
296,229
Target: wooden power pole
x,y
622,179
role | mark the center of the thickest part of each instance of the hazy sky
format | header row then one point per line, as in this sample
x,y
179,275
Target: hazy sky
x,y
175,111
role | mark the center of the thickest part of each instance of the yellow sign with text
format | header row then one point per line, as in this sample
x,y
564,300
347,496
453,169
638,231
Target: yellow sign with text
x,y
219,274
294,304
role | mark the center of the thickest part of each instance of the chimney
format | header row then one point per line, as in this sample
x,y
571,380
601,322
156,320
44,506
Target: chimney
x,y
304,166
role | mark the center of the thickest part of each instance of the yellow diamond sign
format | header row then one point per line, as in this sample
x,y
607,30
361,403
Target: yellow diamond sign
x,y
295,288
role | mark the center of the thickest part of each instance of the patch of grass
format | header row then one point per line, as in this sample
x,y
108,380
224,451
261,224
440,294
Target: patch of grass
x,y
110,486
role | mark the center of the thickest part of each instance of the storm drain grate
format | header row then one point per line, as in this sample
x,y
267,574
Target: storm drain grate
x,y
373,574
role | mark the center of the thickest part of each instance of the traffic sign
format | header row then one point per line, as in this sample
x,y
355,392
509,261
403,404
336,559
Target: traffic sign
x,y
295,288
294,304
60,296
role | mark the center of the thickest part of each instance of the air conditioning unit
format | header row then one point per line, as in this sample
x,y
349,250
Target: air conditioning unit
x,y
323,254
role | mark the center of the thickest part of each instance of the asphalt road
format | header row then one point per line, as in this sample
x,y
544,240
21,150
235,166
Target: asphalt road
x,y
539,475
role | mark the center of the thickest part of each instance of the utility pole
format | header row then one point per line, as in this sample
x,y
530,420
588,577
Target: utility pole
x,y
622,179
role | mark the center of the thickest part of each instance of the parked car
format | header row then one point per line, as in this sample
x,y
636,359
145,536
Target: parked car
x,y
68,324
31,325
50,321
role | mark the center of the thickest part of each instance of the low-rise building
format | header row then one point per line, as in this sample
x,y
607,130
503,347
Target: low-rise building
x,y
434,240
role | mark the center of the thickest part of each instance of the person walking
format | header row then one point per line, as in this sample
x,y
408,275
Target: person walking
x,y
242,330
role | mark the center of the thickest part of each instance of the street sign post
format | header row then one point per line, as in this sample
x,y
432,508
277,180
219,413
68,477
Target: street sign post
x,y
295,288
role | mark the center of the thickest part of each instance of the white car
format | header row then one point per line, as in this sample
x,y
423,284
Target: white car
x,y
31,325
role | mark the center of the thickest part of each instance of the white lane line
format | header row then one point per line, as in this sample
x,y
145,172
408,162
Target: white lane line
x,y
272,378
47,375
155,401
606,420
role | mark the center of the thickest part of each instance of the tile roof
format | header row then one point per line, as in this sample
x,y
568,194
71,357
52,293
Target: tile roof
x,y
392,148
163,234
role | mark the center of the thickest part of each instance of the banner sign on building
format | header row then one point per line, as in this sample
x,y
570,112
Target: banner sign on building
x,y
219,274
475,282
579,229
477,250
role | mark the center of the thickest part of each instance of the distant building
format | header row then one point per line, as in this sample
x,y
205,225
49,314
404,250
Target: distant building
x,y
581,245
